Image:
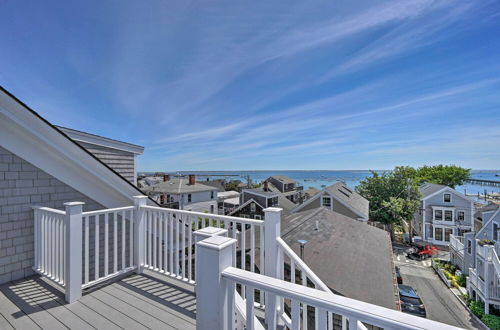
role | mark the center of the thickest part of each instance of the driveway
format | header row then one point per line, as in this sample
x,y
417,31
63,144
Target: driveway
x,y
440,303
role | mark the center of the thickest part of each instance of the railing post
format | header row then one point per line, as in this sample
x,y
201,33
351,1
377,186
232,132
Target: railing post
x,y
214,296
139,233
272,230
202,234
73,251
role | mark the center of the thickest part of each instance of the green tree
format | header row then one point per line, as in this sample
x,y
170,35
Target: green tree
x,y
393,195
448,175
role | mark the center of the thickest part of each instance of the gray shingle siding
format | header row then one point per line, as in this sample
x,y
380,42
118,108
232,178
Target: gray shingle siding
x,y
23,185
120,161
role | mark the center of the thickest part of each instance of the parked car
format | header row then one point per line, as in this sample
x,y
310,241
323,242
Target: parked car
x,y
410,301
418,252
398,276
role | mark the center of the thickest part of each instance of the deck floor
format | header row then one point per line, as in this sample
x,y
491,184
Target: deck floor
x,y
142,301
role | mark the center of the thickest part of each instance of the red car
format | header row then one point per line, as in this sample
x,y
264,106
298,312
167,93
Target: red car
x,y
422,252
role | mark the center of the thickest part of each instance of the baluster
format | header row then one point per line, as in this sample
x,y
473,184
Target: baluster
x,y
235,229
252,248
249,292
171,243
64,251
261,261
61,249
149,215
96,246
190,248
154,217
183,249
160,241
87,248
177,245
106,244
124,227
115,242
131,238
304,306
57,249
243,246
165,241
295,315
353,323
321,318
292,270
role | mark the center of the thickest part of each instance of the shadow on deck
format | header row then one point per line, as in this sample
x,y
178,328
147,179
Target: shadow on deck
x,y
146,301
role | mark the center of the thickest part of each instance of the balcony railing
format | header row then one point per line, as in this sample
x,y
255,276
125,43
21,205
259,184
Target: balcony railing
x,y
456,243
223,255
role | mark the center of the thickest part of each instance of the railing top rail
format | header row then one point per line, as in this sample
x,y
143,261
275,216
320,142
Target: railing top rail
x,y
303,266
104,211
362,311
48,209
208,215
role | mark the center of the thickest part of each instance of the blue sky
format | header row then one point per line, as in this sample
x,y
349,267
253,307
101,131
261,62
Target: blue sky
x,y
229,85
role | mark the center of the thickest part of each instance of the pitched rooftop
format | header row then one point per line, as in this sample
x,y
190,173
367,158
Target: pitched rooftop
x,y
178,186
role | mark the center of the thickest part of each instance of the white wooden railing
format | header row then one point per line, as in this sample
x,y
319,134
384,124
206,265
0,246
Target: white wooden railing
x,y
456,242
49,234
216,298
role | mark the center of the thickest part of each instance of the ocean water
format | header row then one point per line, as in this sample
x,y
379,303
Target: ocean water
x,y
319,179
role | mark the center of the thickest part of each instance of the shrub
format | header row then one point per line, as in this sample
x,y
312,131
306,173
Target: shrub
x,y
477,308
462,279
491,321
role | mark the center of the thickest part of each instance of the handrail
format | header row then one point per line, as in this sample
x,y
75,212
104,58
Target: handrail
x,y
208,215
104,211
496,262
303,266
351,308
48,209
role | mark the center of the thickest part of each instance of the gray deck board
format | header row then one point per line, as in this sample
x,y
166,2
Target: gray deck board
x,y
134,302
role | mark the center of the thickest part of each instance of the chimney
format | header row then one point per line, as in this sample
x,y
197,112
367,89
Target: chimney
x,y
192,179
166,178
266,187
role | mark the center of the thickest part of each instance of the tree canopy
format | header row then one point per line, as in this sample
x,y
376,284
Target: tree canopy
x,y
394,195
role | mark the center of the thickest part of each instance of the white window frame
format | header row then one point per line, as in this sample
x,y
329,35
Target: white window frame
x,y
257,217
328,197
443,221
451,198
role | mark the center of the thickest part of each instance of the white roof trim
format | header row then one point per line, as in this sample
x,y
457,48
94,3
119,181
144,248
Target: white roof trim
x,y
321,193
28,136
101,141
483,228
245,204
451,190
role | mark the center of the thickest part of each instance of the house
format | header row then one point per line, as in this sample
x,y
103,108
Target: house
x,y
287,186
308,193
338,198
120,156
443,212
42,164
78,224
254,201
184,194
228,201
483,282
344,255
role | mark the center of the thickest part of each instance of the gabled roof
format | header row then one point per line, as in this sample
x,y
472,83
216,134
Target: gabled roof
x,y
178,186
260,191
245,204
283,179
343,254
348,197
31,137
431,189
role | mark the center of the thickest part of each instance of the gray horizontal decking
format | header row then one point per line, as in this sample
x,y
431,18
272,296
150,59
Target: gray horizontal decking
x,y
134,302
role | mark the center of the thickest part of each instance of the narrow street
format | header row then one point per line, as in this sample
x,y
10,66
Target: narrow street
x,y
440,303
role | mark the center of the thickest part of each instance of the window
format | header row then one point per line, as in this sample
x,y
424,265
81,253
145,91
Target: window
x,y
469,246
212,195
460,215
438,215
257,217
327,201
272,201
189,198
438,234
448,215
211,209
447,198
447,233
252,207
495,232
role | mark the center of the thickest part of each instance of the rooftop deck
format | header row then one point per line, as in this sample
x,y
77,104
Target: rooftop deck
x,y
134,302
